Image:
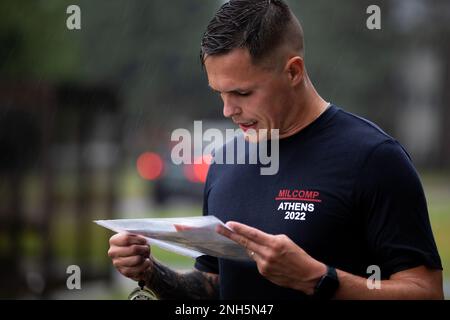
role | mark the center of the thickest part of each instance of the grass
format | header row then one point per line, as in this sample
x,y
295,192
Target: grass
x,y
437,190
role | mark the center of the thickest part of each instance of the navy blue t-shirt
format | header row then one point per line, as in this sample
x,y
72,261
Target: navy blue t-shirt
x,y
346,193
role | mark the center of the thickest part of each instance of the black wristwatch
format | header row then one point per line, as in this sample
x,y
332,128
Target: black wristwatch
x,y
327,285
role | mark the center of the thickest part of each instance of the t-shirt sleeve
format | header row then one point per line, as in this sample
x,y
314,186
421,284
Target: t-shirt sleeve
x,y
395,214
207,263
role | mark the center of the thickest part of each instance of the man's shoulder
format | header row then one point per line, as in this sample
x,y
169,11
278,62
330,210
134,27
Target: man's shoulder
x,y
354,138
359,132
357,123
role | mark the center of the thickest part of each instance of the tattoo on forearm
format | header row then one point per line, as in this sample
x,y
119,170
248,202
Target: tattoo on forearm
x,y
171,285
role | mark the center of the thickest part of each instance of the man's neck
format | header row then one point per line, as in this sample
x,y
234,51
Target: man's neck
x,y
309,108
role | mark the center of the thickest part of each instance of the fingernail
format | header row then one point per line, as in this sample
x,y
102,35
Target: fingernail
x,y
229,225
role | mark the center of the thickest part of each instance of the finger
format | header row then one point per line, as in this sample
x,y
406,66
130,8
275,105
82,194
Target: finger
x,y
126,239
133,261
135,273
250,233
133,250
248,244
253,255
180,227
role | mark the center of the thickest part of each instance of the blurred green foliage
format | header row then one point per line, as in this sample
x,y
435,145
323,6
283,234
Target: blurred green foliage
x,y
34,41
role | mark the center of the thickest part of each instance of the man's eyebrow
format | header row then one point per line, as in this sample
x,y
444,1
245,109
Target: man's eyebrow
x,y
237,90
212,89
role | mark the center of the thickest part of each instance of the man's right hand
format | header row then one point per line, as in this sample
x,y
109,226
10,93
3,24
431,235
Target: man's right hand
x,y
130,255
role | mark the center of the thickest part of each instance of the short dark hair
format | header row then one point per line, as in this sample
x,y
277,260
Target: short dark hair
x,y
257,25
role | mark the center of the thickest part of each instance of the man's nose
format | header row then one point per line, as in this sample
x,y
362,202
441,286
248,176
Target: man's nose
x,y
230,109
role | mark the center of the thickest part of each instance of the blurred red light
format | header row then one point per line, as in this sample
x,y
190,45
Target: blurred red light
x,y
198,172
201,170
188,170
150,166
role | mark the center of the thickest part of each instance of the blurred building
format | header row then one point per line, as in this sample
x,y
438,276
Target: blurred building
x,y
48,135
423,113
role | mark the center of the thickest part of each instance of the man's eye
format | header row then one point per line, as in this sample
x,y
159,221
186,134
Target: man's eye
x,y
244,94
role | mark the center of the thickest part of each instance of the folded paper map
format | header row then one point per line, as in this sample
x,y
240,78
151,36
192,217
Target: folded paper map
x,y
191,236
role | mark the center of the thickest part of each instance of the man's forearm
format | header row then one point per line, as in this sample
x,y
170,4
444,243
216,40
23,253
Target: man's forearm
x,y
400,286
169,284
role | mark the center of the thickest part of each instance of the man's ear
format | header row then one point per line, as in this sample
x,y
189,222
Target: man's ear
x,y
295,69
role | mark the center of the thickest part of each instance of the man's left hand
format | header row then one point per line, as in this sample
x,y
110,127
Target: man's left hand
x,y
277,257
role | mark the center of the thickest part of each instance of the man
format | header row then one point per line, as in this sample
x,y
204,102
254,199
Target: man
x,y
346,196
